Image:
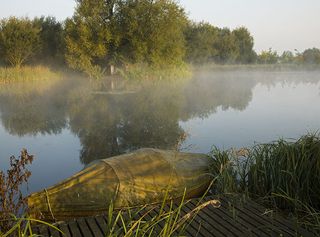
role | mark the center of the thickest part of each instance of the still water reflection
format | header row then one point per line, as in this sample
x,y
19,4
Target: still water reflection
x,y
66,125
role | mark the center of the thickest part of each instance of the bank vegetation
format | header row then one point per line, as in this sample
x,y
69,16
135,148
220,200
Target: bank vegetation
x,y
137,39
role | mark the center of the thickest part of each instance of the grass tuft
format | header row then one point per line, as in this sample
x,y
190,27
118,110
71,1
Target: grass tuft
x,y
26,73
143,72
282,174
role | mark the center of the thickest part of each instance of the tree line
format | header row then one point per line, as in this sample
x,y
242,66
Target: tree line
x,y
155,33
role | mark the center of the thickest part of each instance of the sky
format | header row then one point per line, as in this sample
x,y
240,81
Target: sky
x,y
277,24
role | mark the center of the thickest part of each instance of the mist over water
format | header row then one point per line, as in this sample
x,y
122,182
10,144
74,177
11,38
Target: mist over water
x,y
67,125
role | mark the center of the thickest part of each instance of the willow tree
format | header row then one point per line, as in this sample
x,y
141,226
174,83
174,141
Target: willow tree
x,y
150,31
311,56
104,32
19,40
244,43
201,38
227,50
88,35
52,42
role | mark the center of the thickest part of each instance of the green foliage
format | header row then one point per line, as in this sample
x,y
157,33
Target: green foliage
x,y
151,32
200,40
268,57
287,57
290,168
22,227
311,56
102,33
52,41
244,42
147,72
19,40
283,174
308,57
223,169
226,46
25,73
128,34
11,200
168,220
206,43
88,36
281,167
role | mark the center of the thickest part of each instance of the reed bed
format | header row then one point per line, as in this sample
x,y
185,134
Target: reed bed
x,y
289,169
26,73
283,174
143,72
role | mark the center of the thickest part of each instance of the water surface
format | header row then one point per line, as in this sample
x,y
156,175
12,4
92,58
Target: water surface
x,y
67,125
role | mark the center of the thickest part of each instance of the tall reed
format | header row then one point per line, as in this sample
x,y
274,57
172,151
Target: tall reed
x,y
166,221
287,168
283,174
26,73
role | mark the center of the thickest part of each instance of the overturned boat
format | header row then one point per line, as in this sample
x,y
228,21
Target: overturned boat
x,y
146,176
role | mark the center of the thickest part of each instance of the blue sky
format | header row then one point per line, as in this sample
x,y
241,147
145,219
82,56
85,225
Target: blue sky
x,y
280,24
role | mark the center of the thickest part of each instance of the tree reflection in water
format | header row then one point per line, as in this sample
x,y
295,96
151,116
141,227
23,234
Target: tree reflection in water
x,y
112,124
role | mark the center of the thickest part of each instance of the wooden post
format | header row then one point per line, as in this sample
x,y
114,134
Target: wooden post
x,y
112,70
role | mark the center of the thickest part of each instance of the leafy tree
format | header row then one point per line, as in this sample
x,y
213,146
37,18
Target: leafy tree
x,y
51,36
244,43
287,57
150,31
311,56
88,35
268,57
105,32
200,38
226,47
19,40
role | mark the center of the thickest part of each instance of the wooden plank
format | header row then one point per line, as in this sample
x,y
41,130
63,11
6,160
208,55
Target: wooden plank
x,y
94,227
224,215
277,227
212,225
102,224
199,226
234,218
256,211
156,228
35,229
54,232
84,228
74,229
190,230
64,228
43,230
213,218
250,225
254,224
264,225
287,225
151,214
119,224
226,219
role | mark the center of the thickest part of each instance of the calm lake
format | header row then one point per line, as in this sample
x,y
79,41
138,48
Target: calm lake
x,y
70,123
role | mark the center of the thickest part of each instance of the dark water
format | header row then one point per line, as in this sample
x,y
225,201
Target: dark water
x,y
66,125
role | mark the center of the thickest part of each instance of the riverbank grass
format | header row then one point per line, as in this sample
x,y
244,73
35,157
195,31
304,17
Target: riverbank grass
x,y
26,73
283,175
143,72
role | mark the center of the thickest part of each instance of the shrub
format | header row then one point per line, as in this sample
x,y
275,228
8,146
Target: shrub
x,y
12,202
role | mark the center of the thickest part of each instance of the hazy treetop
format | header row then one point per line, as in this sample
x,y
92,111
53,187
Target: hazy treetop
x,y
282,25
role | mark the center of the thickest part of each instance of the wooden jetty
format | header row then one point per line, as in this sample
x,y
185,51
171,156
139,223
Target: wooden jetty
x,y
235,217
